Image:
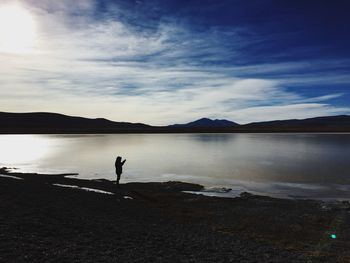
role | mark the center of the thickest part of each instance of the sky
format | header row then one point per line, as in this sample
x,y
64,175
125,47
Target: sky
x,y
162,62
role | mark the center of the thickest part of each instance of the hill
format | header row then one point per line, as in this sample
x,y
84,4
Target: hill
x,y
340,123
46,123
207,123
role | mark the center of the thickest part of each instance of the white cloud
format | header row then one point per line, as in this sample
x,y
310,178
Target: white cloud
x,y
322,98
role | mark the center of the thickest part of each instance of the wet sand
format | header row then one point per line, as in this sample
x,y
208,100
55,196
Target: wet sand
x,y
42,221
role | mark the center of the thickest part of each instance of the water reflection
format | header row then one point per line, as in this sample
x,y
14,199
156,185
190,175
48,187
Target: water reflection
x,y
284,164
23,149
213,138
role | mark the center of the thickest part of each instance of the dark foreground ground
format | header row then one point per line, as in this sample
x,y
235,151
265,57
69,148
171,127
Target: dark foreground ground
x,y
40,222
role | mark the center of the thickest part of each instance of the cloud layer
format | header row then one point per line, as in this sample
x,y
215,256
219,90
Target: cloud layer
x,y
98,62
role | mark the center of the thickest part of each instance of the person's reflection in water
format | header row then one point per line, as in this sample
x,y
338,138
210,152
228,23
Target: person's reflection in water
x,y
119,167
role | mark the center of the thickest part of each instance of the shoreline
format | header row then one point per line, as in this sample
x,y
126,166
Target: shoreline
x,y
138,222
232,190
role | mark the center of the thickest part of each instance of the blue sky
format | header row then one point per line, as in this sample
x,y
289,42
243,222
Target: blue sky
x,y
166,61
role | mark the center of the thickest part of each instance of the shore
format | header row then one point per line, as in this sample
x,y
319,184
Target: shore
x,y
55,218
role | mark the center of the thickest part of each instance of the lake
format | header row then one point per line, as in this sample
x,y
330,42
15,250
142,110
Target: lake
x,y
283,165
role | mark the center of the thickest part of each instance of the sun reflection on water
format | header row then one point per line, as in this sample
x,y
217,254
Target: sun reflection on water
x,y
17,150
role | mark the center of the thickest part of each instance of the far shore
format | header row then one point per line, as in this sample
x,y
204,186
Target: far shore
x,y
162,130
55,218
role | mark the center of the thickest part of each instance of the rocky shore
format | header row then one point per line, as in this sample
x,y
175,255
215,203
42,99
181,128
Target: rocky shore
x,y
55,218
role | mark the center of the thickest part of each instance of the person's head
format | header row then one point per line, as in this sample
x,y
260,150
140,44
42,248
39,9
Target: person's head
x,y
119,159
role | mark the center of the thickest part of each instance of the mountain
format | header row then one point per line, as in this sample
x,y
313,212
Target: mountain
x,y
44,122
339,123
207,123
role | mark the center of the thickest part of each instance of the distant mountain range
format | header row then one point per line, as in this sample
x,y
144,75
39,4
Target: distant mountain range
x,y
328,123
206,123
44,122
41,122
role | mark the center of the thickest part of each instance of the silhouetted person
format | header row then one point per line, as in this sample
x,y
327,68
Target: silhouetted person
x,y
119,167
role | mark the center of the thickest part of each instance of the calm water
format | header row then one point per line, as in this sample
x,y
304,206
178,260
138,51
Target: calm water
x,y
295,165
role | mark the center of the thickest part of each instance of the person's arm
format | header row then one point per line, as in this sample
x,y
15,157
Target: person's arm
x,y
123,161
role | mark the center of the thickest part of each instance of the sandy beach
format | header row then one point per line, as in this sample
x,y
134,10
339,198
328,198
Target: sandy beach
x,y
55,218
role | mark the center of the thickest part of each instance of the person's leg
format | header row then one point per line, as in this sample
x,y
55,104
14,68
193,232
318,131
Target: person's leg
x,y
118,178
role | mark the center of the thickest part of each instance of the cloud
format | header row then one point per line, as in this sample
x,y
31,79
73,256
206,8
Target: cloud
x,y
100,66
322,98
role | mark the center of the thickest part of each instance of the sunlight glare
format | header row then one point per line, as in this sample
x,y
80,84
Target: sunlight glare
x,y
17,29
17,150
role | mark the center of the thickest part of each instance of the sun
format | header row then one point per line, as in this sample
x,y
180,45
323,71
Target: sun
x,y
17,29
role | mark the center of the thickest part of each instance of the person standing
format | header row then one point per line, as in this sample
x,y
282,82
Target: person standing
x,y
119,167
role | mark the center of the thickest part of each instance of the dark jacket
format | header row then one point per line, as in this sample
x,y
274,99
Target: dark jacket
x,y
119,167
